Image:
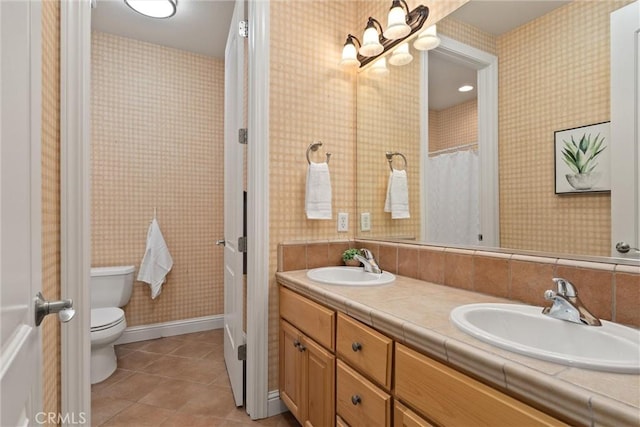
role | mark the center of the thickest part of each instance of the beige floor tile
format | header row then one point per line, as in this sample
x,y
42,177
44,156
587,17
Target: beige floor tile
x,y
217,353
216,402
134,387
104,408
184,420
139,415
213,337
193,349
196,370
119,374
172,394
163,345
136,360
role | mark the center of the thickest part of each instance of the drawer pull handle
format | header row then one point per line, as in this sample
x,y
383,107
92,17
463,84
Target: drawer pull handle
x,y
356,346
355,399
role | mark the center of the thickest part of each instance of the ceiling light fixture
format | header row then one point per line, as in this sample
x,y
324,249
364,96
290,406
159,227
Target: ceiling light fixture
x,y
465,88
154,8
375,41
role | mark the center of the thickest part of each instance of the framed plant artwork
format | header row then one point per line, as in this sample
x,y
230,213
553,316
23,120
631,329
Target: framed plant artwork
x,y
582,162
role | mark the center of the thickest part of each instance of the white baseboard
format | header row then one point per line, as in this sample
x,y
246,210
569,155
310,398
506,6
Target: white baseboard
x,y
275,405
168,329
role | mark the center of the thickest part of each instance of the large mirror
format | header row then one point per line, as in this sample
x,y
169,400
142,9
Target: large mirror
x,y
553,74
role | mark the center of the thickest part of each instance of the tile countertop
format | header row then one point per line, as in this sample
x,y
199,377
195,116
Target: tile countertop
x,y
416,313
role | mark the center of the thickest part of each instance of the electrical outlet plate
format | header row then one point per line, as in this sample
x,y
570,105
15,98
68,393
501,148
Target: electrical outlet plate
x,y
365,221
343,222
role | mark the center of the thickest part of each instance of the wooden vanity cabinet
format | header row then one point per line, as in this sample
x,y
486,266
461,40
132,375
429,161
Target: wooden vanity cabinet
x,y
307,369
405,417
451,398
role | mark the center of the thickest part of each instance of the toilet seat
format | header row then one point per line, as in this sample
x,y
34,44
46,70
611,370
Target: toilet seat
x,y
105,318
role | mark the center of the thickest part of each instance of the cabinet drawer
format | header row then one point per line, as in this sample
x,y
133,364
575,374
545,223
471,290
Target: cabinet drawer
x,y
451,398
405,417
365,349
314,320
358,401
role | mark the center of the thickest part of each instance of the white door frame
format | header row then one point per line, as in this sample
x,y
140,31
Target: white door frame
x,y
258,214
487,66
75,170
75,235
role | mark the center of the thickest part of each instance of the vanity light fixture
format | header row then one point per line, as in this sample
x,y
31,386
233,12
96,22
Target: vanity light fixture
x,y
371,45
350,53
465,88
397,26
379,68
401,55
154,8
428,39
375,41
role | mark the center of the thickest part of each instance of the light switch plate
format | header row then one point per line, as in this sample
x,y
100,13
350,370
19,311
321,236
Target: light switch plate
x,y
343,222
365,221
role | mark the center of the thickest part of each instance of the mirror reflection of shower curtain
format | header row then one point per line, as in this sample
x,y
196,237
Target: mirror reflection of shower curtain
x,y
453,212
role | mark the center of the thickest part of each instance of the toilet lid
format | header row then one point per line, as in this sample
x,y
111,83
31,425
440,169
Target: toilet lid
x,y
102,318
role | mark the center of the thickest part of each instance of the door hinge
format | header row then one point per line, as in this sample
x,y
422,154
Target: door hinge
x,y
243,29
242,244
242,352
243,136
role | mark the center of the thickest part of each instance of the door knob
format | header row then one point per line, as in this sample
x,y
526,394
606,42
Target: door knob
x,y
64,308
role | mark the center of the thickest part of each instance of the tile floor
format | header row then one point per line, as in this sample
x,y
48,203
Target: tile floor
x,y
176,381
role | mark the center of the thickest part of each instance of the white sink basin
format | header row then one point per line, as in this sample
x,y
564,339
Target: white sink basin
x,y
349,276
525,330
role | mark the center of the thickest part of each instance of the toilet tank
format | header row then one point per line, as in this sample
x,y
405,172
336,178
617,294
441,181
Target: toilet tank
x,y
111,286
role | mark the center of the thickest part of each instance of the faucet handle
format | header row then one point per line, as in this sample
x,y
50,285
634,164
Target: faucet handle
x,y
367,253
565,287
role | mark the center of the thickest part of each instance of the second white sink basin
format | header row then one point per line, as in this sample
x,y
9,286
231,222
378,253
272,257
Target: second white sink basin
x,y
525,330
349,276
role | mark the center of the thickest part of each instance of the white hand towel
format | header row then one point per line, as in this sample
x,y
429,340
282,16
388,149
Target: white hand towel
x,y
157,261
318,192
397,201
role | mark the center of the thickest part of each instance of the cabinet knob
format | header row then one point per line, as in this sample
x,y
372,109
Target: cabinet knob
x,y
356,346
355,399
296,343
301,348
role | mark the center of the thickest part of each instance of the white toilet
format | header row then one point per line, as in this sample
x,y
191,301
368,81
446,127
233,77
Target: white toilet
x,y
111,289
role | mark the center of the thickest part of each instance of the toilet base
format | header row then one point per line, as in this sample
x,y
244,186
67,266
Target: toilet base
x,y
103,362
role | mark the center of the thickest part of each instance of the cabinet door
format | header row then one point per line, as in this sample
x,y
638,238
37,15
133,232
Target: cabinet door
x,y
319,384
291,369
405,417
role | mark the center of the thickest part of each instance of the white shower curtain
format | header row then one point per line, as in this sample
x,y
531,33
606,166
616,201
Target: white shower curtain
x,y
453,211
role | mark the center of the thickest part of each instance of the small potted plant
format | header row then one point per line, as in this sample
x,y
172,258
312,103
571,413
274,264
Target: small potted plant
x,y
348,257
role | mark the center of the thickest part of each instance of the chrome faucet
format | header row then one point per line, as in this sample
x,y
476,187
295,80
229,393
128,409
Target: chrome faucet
x,y
369,261
567,306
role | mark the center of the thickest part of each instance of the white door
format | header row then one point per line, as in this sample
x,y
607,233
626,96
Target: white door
x,y
20,264
233,203
625,116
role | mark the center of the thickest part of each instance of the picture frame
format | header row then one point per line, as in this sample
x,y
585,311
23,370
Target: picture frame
x,y
582,159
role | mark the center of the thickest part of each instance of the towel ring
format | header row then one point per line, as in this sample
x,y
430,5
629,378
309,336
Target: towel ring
x,y
314,147
390,156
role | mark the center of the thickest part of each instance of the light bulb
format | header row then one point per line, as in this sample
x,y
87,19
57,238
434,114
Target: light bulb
x,y
371,41
397,23
427,40
401,55
349,55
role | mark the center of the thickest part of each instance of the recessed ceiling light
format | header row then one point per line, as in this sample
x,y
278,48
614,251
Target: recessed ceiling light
x,y
465,88
154,8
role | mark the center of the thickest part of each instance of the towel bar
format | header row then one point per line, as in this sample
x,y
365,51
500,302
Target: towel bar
x,y
314,147
390,156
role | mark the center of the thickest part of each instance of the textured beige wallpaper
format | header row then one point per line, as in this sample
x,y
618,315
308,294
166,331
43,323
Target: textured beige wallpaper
x,y
453,126
51,200
554,75
157,143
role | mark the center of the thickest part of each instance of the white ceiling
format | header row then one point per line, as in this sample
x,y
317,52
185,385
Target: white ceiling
x,y
493,17
199,26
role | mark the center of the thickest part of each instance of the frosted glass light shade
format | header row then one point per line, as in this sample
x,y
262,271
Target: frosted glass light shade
x,y
371,42
427,40
154,8
397,26
379,68
349,56
401,55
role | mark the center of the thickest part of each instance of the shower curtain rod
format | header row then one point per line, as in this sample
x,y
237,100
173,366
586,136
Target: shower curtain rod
x,y
453,149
